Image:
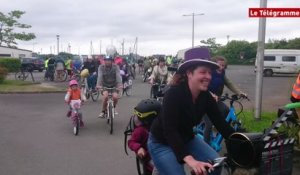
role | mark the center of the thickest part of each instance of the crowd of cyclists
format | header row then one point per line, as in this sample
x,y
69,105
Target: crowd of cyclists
x,y
193,88
163,134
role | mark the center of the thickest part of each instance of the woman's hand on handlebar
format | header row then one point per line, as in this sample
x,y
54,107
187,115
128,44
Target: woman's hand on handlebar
x,y
198,167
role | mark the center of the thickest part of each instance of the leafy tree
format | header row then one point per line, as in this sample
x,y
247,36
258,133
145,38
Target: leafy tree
x,y
211,44
233,50
8,24
294,43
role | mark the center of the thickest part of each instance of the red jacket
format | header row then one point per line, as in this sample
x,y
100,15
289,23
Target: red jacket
x,y
138,139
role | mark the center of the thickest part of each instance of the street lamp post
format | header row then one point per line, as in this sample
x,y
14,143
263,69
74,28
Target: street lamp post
x,y
57,36
193,24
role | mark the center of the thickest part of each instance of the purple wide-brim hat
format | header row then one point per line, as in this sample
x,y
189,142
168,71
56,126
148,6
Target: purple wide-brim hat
x,y
196,56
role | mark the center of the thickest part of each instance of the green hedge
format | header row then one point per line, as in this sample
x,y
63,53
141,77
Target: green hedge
x,y
11,64
3,74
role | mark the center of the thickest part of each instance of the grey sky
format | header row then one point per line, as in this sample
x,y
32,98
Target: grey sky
x,y
158,24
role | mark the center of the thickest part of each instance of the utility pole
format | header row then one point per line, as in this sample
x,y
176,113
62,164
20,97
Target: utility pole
x,y
123,46
57,36
260,62
193,25
228,38
100,46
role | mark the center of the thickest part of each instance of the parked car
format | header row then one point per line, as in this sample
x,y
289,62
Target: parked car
x,y
281,61
32,64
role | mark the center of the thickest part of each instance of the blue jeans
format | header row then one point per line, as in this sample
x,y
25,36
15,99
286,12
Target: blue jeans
x,y
166,162
92,81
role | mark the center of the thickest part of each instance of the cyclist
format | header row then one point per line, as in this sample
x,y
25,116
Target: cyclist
x,y
171,141
145,112
218,82
109,77
74,93
92,66
159,75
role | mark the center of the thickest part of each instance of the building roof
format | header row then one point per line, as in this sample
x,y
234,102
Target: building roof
x,y
15,48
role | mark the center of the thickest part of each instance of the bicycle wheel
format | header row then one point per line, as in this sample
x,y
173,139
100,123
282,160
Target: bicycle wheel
x,y
95,95
20,76
111,118
76,126
139,166
152,92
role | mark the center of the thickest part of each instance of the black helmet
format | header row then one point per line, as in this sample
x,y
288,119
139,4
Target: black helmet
x,y
147,110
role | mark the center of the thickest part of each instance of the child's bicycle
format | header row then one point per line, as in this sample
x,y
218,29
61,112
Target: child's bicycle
x,y
216,139
76,115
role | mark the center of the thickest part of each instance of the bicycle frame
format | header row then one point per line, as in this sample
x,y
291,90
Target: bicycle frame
x,y
216,140
110,108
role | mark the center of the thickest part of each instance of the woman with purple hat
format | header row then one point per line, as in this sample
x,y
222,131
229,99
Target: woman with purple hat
x,y
172,142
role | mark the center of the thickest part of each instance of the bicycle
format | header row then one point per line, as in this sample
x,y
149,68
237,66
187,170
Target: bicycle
x,y
23,74
147,74
61,75
127,86
110,111
216,139
88,92
157,90
76,115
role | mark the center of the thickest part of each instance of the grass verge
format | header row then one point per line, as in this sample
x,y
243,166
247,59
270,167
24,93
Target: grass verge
x,y
13,86
253,125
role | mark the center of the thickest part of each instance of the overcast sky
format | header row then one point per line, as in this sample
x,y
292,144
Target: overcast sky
x,y
158,24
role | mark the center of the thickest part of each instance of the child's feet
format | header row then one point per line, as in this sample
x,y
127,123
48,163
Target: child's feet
x,y
81,124
69,113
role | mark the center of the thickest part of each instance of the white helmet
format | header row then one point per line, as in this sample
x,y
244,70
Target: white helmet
x,y
111,50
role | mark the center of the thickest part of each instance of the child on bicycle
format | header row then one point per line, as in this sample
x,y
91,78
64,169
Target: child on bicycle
x,y
145,112
74,93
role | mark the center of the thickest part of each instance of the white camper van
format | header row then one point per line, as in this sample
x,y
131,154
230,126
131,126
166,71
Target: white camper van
x,y
281,61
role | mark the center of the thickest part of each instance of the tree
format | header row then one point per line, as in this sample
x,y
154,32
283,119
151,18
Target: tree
x,y
211,44
234,49
8,24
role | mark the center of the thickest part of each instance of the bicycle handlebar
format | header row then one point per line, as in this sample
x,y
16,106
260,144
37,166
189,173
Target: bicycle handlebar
x,y
233,97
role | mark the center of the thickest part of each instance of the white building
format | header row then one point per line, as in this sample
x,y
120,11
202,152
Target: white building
x,y
14,53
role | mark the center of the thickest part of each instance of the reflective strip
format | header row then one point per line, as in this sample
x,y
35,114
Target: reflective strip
x,y
145,114
296,94
297,85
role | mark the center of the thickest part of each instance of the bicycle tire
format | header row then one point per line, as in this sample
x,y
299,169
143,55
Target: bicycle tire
x,y
152,92
19,76
111,119
95,95
138,166
76,126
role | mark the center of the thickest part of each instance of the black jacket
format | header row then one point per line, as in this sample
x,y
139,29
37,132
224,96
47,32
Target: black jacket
x,y
174,126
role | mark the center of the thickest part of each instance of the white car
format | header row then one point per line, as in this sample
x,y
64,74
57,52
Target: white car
x,y
281,61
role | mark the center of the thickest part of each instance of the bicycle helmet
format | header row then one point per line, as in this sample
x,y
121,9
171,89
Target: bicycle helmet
x,y
111,50
84,73
73,82
109,58
147,110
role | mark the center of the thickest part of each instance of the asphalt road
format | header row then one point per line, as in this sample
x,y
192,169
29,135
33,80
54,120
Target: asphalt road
x,y
37,138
